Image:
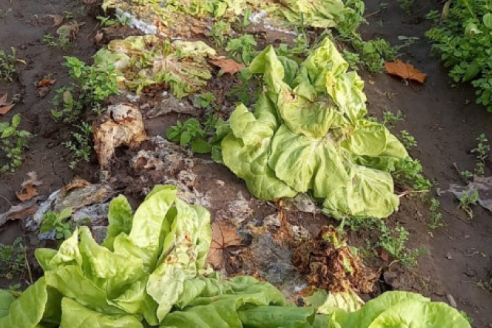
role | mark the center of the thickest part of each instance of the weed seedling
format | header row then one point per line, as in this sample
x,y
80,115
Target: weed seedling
x,y
91,86
408,140
245,21
60,41
13,259
390,119
220,32
409,171
468,199
13,142
7,65
80,144
406,5
467,318
436,216
190,133
394,244
243,48
4,13
58,222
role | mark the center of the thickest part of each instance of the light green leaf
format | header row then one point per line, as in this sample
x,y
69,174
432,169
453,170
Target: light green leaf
x,y
75,315
27,311
120,219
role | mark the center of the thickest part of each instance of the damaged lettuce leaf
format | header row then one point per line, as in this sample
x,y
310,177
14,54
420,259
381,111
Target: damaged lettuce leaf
x,y
150,272
313,135
148,60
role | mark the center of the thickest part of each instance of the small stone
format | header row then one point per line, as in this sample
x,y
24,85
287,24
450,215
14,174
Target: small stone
x,y
451,300
448,256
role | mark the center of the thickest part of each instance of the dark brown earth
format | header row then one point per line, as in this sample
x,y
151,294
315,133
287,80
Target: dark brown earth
x,y
443,119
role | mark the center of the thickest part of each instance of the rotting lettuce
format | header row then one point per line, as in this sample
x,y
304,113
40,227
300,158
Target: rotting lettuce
x,y
148,60
151,275
313,134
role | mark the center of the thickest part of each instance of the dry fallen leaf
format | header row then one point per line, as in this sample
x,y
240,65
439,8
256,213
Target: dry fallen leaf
x,y
5,107
405,71
46,82
227,65
223,236
28,187
57,20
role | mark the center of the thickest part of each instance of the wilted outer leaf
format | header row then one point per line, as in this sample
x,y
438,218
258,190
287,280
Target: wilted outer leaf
x,y
148,60
229,66
405,71
223,236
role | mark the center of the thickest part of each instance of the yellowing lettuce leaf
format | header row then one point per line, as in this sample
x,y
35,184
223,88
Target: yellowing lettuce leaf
x,y
148,60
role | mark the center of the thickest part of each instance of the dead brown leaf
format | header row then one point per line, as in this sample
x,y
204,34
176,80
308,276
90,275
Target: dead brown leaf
x,y
29,190
405,71
223,236
57,20
5,107
46,82
227,65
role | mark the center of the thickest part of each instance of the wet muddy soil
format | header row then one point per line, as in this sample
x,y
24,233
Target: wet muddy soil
x,y
442,117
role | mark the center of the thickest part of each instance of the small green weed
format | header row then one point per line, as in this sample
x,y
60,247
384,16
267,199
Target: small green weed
x,y
220,32
13,259
352,59
467,318
407,139
91,86
7,65
243,90
390,119
468,199
13,142
245,21
481,153
436,216
4,13
409,171
394,244
406,5
206,100
462,36
120,19
80,145
190,133
483,148
59,222
61,41
243,48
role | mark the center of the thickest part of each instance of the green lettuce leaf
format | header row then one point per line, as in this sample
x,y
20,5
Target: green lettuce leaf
x,y
6,298
312,134
27,311
75,315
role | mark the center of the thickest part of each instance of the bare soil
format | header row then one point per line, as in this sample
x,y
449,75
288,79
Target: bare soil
x,y
442,117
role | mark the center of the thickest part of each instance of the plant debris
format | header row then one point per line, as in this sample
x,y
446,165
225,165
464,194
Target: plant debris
x,y
405,71
330,264
121,125
5,106
29,190
223,236
227,65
